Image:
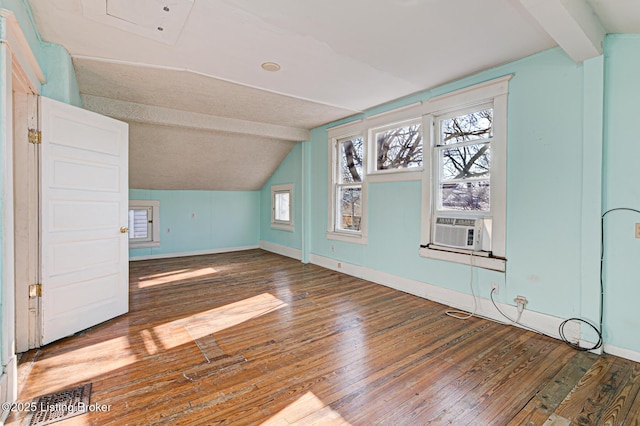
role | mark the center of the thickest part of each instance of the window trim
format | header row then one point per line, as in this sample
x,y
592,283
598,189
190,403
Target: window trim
x,y
154,205
337,135
494,93
282,225
372,150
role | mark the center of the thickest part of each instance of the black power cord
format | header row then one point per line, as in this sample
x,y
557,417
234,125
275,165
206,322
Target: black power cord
x,y
598,331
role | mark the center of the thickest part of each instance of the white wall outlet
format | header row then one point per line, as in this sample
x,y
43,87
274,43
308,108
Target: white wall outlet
x,y
495,288
520,300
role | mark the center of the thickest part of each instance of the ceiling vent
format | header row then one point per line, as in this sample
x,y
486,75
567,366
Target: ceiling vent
x,y
155,19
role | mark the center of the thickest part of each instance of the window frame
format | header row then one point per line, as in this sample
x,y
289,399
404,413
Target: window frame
x,y
372,147
437,165
336,137
493,93
154,207
282,225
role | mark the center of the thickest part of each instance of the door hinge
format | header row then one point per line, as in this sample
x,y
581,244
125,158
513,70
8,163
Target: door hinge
x,y
35,136
35,290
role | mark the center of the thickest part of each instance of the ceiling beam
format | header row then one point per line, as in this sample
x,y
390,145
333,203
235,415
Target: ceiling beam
x,y
140,113
572,24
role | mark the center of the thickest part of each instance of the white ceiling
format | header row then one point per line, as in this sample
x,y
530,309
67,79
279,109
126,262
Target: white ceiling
x,y
337,58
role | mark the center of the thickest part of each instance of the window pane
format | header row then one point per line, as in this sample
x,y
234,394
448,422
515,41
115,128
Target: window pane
x,y
473,196
282,207
350,167
465,162
349,208
399,148
467,127
138,224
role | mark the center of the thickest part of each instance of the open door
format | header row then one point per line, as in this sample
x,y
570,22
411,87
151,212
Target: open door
x,y
84,206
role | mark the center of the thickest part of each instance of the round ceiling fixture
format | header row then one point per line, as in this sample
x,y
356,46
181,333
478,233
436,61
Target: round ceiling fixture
x,y
270,66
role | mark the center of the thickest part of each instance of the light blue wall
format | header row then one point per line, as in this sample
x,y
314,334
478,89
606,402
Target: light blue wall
x,y
545,178
545,88
203,220
289,172
54,60
621,190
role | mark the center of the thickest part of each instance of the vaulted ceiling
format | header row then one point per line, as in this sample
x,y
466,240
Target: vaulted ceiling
x,y
203,114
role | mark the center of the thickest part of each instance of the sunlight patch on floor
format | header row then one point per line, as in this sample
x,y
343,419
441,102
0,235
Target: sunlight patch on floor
x,y
185,274
217,319
84,364
308,409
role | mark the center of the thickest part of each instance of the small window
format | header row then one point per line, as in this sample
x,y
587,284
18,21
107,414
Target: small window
x,y
398,146
348,185
144,223
282,207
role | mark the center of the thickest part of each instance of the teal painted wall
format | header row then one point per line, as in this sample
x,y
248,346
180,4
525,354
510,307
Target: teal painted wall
x,y
54,60
544,196
202,220
621,190
289,172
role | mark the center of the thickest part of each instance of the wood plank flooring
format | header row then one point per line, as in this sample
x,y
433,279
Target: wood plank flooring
x,y
250,338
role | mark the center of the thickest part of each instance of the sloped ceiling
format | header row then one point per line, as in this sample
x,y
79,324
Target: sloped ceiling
x,y
186,74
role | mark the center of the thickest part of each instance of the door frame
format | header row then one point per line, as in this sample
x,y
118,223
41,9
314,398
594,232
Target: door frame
x,y
21,74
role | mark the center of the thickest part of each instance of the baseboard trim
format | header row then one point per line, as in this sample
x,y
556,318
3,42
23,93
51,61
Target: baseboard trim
x,y
622,352
192,253
282,250
544,323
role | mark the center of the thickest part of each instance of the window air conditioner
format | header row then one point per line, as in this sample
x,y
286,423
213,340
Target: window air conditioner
x,y
458,232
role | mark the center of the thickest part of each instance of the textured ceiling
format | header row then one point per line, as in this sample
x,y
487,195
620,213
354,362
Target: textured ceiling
x,y
337,58
204,159
189,91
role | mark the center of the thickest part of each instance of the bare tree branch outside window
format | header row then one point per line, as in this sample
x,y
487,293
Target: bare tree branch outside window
x,y
399,148
465,161
349,190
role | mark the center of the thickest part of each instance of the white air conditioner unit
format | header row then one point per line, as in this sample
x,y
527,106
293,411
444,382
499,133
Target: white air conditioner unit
x,y
459,232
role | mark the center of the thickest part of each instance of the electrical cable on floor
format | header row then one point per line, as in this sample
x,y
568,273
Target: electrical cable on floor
x,y
458,314
562,325
463,315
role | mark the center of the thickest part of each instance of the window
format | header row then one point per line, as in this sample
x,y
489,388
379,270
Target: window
x,y
282,207
463,160
464,184
144,223
398,146
347,202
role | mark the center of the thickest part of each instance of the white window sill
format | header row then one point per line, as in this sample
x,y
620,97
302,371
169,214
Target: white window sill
x,y
282,227
466,258
145,244
347,238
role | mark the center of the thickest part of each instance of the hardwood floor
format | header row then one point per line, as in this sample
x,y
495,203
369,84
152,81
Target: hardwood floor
x,y
256,338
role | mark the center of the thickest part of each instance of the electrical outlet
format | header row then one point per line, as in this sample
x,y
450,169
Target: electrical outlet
x,y
521,300
495,288
637,230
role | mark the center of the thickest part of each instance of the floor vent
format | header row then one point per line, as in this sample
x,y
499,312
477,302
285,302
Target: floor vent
x,y
61,405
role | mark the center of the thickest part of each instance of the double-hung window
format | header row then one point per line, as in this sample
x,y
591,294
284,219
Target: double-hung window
x,y
348,192
464,184
462,155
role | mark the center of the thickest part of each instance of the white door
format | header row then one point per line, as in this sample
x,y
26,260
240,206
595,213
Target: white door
x,y
84,207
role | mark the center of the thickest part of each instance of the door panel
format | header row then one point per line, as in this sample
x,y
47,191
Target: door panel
x,y
84,202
